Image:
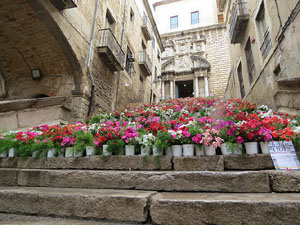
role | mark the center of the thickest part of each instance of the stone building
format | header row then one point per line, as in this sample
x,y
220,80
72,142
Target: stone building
x,y
265,52
196,59
62,60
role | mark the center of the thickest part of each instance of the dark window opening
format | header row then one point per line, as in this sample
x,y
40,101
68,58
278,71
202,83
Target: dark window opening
x,y
110,21
128,56
241,81
184,89
250,61
141,79
131,15
40,96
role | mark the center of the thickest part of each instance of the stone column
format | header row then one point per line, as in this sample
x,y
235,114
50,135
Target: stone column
x,y
206,86
171,89
162,90
196,86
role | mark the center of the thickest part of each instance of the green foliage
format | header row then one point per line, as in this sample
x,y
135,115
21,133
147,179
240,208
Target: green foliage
x,y
6,144
115,146
83,139
163,140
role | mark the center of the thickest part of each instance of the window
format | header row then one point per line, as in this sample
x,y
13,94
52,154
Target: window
x,y
174,22
110,21
250,61
141,79
131,15
155,73
128,56
241,81
158,54
195,17
263,31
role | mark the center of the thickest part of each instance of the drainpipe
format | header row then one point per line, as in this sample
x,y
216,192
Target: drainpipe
x,y
122,43
90,57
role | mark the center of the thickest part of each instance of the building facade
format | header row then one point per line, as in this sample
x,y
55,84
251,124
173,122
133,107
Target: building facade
x,y
196,58
265,52
62,60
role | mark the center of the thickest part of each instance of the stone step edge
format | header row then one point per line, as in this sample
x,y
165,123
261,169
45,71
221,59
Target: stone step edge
x,y
162,208
195,163
181,181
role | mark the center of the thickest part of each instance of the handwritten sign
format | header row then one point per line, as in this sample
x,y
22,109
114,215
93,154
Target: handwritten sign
x,y
284,155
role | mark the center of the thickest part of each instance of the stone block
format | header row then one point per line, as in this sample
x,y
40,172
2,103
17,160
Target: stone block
x,y
202,181
285,181
9,162
116,205
8,121
221,209
244,162
199,163
8,177
95,162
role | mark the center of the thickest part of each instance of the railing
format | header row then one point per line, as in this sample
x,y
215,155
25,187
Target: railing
x,y
239,9
108,39
266,44
144,58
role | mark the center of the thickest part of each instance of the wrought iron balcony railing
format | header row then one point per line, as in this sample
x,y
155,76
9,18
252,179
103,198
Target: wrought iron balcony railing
x,y
238,23
146,28
110,50
145,62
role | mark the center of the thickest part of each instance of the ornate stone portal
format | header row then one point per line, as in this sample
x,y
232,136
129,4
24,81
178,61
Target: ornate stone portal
x,y
184,66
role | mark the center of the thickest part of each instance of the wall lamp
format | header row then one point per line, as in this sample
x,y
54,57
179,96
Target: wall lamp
x,y
36,74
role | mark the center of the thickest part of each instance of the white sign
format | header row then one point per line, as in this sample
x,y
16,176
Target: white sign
x,y
284,155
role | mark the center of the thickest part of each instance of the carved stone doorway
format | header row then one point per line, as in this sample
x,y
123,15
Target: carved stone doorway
x,y
184,89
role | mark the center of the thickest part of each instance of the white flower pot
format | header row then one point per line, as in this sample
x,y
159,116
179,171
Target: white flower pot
x,y
51,153
90,150
210,150
129,149
105,152
70,152
3,155
238,150
177,150
200,150
169,151
11,152
225,149
264,146
61,153
188,149
156,151
34,154
145,150
251,148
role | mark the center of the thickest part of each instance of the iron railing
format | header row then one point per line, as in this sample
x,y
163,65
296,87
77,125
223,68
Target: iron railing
x,y
239,10
108,39
266,44
144,58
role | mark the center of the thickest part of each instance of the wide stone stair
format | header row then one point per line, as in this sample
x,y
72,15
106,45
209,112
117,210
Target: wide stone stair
x,y
204,190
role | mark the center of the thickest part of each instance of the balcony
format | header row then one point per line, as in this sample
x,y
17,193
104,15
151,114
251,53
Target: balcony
x,y
145,63
64,4
238,23
110,51
146,28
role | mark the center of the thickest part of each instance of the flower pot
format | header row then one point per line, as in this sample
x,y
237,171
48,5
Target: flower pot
x,y
11,152
145,150
3,154
210,150
200,150
71,152
188,149
264,146
156,151
238,150
251,148
225,149
34,154
90,150
51,153
176,150
169,151
105,152
129,150
61,153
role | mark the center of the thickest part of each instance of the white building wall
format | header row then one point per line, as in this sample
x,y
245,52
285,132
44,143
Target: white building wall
x,y
183,9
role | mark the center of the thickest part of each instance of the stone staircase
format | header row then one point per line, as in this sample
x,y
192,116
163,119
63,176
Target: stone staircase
x,y
204,190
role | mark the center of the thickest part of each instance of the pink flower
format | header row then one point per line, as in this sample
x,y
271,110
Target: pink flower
x,y
240,140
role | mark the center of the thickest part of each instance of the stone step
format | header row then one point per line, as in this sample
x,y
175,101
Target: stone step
x,y
225,209
195,163
13,219
118,205
197,181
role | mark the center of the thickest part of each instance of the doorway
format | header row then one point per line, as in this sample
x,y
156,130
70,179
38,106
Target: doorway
x,y
184,89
